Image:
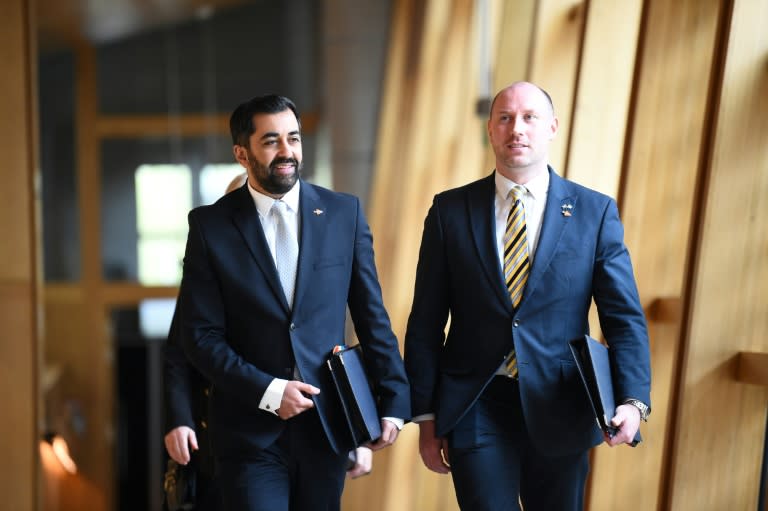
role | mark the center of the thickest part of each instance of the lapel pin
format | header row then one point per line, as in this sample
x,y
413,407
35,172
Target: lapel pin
x,y
317,212
565,209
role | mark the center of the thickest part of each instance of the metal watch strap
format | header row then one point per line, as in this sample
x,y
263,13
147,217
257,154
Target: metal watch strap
x,y
644,409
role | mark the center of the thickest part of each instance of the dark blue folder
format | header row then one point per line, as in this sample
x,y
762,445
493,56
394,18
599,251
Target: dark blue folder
x,y
347,368
594,367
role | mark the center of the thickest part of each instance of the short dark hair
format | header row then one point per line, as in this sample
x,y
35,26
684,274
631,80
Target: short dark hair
x,y
241,121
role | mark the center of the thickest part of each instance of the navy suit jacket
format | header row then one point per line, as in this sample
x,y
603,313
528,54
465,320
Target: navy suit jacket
x,y
239,331
578,258
186,396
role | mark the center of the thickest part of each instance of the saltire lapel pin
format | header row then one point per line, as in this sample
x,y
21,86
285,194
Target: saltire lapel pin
x,y
566,209
317,212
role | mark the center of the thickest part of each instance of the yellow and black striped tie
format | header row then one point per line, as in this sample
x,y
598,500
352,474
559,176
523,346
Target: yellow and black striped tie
x,y
517,264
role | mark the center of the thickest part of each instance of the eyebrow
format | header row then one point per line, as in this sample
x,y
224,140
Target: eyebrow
x,y
274,134
526,111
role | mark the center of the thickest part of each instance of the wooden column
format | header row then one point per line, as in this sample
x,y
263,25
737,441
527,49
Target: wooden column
x,y
555,50
720,422
19,261
603,92
662,159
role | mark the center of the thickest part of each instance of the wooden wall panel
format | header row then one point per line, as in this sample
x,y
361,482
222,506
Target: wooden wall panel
x,y
19,268
513,42
606,71
430,139
554,63
15,132
662,163
721,423
19,433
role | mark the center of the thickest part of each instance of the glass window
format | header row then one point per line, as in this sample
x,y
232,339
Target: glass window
x,y
214,180
161,222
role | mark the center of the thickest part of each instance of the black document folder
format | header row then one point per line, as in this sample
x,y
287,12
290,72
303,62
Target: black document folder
x,y
348,372
594,367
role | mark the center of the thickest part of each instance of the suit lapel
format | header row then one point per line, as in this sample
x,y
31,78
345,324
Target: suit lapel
x,y
483,223
314,222
246,220
560,204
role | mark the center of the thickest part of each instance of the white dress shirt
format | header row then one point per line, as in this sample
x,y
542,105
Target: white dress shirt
x,y
273,396
534,201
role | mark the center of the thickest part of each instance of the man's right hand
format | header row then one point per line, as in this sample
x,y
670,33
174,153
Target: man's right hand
x,y
433,449
177,443
294,400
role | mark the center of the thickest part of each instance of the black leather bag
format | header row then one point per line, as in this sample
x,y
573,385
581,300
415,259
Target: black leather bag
x,y
180,486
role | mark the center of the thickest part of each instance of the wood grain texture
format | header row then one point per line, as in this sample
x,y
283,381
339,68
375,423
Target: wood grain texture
x,y
600,112
660,174
716,462
557,39
19,268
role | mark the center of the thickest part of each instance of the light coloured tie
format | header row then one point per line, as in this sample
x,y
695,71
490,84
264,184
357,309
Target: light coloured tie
x,y
286,249
517,263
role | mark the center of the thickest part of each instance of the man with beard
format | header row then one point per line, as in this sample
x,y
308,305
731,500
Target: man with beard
x,y
269,270
186,416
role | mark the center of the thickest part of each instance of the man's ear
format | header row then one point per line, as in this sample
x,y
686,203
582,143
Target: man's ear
x,y
554,127
241,155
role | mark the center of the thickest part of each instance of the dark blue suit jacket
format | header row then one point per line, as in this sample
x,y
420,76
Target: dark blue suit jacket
x,y
186,396
239,331
578,258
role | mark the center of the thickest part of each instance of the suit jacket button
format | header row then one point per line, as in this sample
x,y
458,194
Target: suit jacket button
x,y
204,424
516,323
292,327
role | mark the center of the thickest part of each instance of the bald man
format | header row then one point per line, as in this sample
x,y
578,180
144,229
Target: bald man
x,y
515,260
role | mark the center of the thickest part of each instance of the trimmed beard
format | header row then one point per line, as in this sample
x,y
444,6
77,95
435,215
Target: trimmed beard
x,y
269,180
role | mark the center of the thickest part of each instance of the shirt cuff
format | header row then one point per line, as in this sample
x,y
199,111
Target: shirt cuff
x,y
273,396
399,423
423,417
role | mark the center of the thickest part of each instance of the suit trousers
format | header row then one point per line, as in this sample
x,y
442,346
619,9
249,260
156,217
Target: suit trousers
x,y
298,472
495,466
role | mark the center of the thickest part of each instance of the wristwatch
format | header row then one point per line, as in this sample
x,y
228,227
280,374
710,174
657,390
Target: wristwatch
x,y
645,410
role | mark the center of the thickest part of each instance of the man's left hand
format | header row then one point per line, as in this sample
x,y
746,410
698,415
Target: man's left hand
x,y
363,463
388,435
627,419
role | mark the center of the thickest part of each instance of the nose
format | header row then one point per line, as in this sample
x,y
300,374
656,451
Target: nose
x,y
518,125
283,148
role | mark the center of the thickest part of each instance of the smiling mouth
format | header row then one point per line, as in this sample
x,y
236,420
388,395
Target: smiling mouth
x,y
284,167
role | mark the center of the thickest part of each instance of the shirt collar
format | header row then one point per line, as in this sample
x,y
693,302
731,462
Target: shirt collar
x,y
537,186
264,202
